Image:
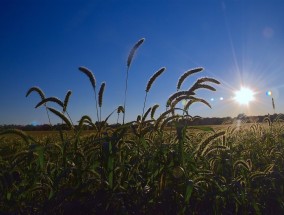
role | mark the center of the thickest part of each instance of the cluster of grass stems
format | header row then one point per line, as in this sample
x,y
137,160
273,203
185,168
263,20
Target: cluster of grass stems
x,y
152,165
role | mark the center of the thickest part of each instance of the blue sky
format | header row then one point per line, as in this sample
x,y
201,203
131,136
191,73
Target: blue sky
x,y
42,43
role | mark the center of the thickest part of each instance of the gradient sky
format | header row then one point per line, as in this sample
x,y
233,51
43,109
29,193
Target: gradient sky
x,y
43,42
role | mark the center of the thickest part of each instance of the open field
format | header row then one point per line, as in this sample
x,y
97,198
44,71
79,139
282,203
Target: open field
x,y
54,133
152,165
229,171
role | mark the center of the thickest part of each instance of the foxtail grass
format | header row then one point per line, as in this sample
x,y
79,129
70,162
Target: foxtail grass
x,y
150,83
187,74
66,100
65,104
50,99
273,104
120,109
92,79
101,92
62,116
193,100
153,111
129,61
42,96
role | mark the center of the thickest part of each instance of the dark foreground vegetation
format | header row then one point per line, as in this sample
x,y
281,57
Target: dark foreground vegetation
x,y
236,171
153,165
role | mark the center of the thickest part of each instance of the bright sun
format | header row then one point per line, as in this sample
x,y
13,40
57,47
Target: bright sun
x,y
244,96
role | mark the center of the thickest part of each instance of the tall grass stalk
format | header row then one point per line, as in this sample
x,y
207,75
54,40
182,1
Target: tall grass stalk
x,y
149,85
273,104
129,60
65,105
42,96
101,93
92,79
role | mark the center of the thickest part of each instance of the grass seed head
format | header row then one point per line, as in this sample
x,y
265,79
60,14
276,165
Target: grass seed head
x,y
133,50
146,114
101,92
50,99
193,100
178,94
153,78
90,75
36,89
120,109
154,108
66,100
186,74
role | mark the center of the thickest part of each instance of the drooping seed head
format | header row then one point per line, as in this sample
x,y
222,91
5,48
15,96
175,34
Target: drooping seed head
x,y
168,119
178,94
138,118
208,79
90,75
36,89
202,86
193,100
146,114
207,141
186,74
62,116
199,84
161,117
84,119
179,99
154,108
133,50
66,100
50,99
153,78
120,109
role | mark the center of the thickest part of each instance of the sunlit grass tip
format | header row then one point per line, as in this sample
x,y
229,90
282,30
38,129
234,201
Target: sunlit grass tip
x,y
186,74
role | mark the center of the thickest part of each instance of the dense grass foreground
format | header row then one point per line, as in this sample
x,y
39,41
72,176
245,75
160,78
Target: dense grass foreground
x,y
153,165
233,172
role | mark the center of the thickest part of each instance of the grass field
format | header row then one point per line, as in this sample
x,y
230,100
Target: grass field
x,y
229,171
152,165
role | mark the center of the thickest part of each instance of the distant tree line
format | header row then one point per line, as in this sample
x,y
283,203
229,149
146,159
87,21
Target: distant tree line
x,y
198,121
44,127
230,120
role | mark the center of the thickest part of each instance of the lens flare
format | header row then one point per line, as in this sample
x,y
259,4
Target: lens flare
x,y
34,123
268,93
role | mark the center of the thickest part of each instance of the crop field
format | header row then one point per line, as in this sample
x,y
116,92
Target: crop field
x,y
232,171
152,165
